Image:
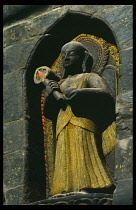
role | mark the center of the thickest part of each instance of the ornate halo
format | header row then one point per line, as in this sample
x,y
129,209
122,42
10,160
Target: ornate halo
x,y
97,48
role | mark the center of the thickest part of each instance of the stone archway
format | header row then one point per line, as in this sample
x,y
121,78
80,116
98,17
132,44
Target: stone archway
x,y
44,53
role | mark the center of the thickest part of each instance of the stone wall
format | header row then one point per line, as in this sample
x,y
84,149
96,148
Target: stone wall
x,y
24,26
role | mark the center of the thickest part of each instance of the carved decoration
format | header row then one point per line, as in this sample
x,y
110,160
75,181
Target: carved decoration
x,y
77,199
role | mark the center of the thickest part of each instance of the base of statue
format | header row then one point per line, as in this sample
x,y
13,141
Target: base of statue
x,y
77,198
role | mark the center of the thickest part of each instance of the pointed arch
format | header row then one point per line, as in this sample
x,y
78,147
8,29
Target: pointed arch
x,y
45,53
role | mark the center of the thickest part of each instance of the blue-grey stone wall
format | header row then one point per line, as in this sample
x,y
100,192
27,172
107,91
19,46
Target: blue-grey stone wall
x,y
24,25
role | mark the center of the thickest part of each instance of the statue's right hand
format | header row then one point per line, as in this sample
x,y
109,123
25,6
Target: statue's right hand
x,y
52,86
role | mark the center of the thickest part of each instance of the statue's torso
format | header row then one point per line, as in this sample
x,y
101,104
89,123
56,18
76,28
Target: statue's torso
x,y
78,163
77,81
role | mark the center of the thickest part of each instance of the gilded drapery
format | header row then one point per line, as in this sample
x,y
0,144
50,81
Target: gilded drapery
x,y
77,161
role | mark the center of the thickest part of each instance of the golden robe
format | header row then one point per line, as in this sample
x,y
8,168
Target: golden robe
x,y
77,161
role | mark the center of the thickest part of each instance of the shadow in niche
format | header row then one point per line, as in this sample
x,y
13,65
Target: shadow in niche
x,y
45,53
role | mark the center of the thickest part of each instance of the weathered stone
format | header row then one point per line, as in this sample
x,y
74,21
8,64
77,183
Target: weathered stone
x,y
75,198
13,169
14,196
126,70
14,13
126,97
16,56
124,106
40,24
124,127
12,10
13,136
123,194
90,9
120,19
13,96
124,159
16,33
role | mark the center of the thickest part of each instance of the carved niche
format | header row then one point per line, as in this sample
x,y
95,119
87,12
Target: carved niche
x,y
106,64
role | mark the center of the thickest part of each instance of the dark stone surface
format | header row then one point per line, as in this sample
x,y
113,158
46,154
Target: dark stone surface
x,y
75,198
40,24
13,96
126,70
120,19
33,27
16,56
88,9
14,196
124,192
13,136
16,33
124,158
124,128
126,97
124,106
13,165
13,13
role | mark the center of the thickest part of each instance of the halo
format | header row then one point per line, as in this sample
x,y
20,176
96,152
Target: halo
x,y
97,48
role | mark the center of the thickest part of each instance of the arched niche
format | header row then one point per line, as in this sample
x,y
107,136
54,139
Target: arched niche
x,y
44,53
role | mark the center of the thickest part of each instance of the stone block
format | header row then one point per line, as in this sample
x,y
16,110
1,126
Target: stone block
x,y
124,106
16,33
11,10
40,24
124,158
14,196
13,136
123,194
77,198
120,19
13,171
126,71
14,13
124,127
16,56
90,9
13,96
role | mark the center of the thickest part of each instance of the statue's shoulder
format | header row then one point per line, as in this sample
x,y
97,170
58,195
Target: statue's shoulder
x,y
87,76
92,75
94,79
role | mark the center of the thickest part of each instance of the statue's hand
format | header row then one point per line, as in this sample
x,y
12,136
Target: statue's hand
x,y
52,86
69,94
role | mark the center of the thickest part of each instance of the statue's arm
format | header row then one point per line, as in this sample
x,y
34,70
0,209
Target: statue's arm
x,y
95,81
53,100
94,102
97,88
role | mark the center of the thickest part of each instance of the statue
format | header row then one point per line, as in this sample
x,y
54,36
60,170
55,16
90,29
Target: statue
x,y
82,107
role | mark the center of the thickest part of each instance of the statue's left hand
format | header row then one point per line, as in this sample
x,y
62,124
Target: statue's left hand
x,y
69,94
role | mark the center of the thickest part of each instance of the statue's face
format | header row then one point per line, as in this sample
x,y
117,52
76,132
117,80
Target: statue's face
x,y
72,56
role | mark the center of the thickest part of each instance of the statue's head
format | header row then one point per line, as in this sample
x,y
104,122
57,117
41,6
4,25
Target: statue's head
x,y
74,56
